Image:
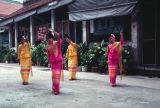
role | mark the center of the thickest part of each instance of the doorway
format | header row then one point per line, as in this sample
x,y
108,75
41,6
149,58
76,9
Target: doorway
x,y
150,40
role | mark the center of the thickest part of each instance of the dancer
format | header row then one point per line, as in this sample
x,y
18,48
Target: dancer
x,y
24,59
114,58
55,59
71,56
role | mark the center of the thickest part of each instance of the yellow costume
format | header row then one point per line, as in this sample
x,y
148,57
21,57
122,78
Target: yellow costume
x,y
71,55
25,60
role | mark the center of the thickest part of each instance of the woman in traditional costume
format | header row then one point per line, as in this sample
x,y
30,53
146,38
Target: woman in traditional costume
x,y
114,58
55,59
24,59
71,56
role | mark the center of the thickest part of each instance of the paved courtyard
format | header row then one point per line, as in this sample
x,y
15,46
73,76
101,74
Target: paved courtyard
x,y
90,90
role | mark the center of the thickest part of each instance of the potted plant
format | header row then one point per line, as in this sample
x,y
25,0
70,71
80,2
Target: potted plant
x,y
82,56
97,55
84,62
84,68
92,57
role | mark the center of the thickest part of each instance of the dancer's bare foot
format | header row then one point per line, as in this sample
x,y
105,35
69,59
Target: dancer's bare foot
x,y
25,83
112,85
72,79
56,93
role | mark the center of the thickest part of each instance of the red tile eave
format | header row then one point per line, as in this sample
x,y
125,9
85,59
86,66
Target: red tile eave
x,y
3,15
7,8
30,7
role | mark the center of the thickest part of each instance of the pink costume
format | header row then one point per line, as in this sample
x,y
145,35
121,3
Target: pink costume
x,y
114,55
55,64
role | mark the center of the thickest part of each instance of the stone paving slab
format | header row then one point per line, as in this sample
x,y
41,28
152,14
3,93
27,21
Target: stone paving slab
x,y
90,90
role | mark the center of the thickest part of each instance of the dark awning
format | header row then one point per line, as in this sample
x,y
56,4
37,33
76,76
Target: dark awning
x,y
53,5
23,16
92,9
5,22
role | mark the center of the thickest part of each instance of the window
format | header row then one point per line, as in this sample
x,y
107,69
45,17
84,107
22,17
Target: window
x,y
106,26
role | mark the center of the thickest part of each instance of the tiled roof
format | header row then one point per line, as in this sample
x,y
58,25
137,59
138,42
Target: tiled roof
x,y
7,8
32,6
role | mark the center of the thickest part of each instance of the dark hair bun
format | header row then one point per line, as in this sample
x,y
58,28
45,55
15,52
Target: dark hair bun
x,y
49,35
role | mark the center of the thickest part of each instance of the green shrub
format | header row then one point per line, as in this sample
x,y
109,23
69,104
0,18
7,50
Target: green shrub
x,y
11,56
82,54
127,57
3,52
39,56
92,55
98,56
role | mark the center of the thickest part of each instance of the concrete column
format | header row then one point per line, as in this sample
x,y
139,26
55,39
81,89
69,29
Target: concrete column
x,y
135,37
16,36
75,32
10,37
134,34
52,19
91,26
84,31
31,31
